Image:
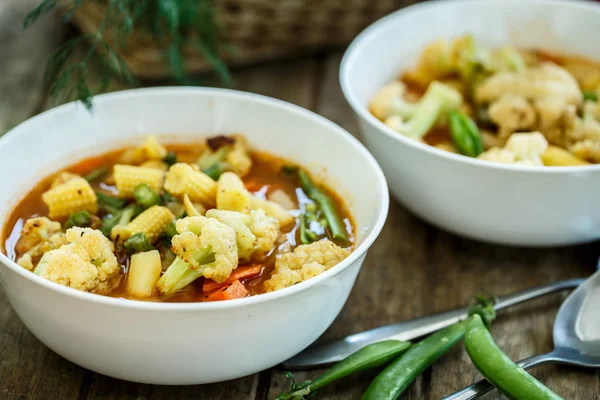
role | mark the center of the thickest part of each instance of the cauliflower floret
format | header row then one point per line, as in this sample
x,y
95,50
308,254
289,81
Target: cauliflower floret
x,y
86,263
266,230
245,239
203,239
239,156
521,148
512,113
38,236
305,262
544,80
556,119
390,100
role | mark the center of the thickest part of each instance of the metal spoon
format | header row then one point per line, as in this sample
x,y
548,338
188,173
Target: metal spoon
x,y
328,353
576,336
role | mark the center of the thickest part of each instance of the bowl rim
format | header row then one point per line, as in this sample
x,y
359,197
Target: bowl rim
x,y
373,230
370,34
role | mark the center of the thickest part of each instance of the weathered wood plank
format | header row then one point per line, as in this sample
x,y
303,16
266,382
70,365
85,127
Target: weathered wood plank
x,y
22,60
291,81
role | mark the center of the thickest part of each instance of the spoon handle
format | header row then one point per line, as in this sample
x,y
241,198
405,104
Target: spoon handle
x,y
482,387
325,354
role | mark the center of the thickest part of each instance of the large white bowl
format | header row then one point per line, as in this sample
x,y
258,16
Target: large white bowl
x,y
505,204
191,343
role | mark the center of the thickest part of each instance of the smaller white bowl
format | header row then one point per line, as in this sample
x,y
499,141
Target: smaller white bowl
x,y
506,204
186,343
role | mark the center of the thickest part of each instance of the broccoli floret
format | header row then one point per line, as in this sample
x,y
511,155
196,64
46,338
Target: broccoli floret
x,y
435,103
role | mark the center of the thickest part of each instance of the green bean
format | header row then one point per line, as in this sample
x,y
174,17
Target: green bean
x,y
138,243
327,206
81,219
96,174
109,203
170,158
371,356
590,95
306,235
500,370
398,375
465,134
145,196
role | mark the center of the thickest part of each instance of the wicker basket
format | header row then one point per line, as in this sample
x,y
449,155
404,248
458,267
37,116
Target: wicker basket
x,y
257,30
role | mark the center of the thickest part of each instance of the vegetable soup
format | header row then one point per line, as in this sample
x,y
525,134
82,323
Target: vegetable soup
x,y
181,223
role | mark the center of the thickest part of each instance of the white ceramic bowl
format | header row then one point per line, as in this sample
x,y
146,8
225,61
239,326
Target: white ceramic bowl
x,y
193,343
507,204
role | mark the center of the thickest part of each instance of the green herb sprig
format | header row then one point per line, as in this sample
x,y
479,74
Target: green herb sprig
x,y
174,25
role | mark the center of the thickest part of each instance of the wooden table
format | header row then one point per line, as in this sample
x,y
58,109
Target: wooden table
x,y
412,270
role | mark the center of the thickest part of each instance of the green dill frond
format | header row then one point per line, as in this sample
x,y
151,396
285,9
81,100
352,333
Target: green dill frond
x,y
174,24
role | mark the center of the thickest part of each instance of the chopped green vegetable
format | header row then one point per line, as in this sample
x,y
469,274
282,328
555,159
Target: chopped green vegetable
x,y
81,219
96,174
212,162
109,203
289,170
327,207
121,217
145,196
170,158
590,95
306,235
465,134
371,356
138,243
214,171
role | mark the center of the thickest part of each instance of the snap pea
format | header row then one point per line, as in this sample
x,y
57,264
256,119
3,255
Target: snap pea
x,y
499,369
465,134
327,206
371,356
398,375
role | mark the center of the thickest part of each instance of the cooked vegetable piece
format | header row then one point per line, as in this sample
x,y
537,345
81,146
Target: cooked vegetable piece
x,y
498,368
306,235
70,197
231,193
138,243
398,375
182,178
590,95
109,203
151,222
39,235
465,134
416,119
82,219
231,291
240,223
371,356
212,162
239,156
170,158
191,209
86,263
96,174
240,273
144,271
155,164
556,156
145,196
128,177
204,247
120,218
305,262
152,149
63,177
327,206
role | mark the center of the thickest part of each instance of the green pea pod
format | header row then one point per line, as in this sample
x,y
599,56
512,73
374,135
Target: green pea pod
x,y
465,134
500,370
371,356
397,376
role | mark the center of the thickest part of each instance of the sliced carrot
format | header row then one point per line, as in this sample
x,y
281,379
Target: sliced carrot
x,y
237,274
235,290
253,186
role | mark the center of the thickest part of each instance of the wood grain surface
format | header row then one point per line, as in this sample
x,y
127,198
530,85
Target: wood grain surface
x,y
412,270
